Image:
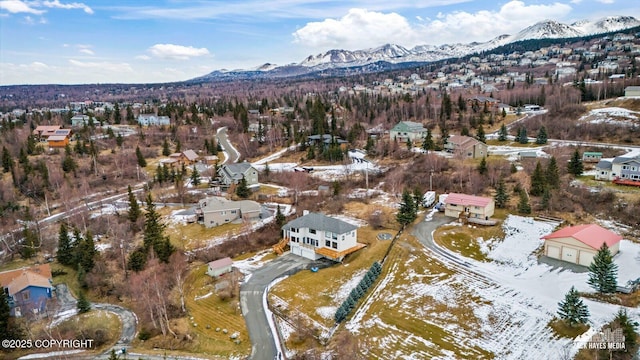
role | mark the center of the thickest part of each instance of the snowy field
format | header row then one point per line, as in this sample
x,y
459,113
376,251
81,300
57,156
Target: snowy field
x,y
447,307
611,115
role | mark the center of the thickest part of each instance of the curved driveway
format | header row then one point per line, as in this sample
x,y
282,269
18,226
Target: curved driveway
x,y
224,142
252,294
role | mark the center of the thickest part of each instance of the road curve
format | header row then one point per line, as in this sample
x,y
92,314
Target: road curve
x,y
252,293
223,140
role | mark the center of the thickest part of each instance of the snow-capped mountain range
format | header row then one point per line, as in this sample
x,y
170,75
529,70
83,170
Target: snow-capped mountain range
x,y
396,54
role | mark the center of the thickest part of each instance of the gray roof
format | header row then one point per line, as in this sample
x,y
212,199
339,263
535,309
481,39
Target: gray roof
x,y
321,222
623,159
235,171
604,164
216,203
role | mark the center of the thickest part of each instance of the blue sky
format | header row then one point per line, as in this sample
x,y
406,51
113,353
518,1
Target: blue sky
x,y
151,41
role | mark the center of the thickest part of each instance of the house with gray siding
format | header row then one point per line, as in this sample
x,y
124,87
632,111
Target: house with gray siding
x,y
233,173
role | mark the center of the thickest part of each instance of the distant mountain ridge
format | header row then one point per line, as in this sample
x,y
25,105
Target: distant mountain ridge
x,y
396,54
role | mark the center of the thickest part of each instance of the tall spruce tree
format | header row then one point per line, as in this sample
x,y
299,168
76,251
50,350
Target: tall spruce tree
x,y
503,133
65,253
407,212
480,134
5,315
427,143
541,139
280,218
166,151
575,166
482,167
537,181
195,176
552,174
572,310
7,160
523,204
83,304
603,272
153,237
141,161
629,328
502,197
242,190
134,207
522,136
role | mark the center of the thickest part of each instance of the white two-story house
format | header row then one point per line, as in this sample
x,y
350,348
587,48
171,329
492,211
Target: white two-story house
x,y
625,167
316,235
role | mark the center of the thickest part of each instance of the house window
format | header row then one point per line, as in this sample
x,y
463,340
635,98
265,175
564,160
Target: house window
x,y
316,243
234,211
327,243
312,231
625,167
223,212
25,295
334,245
295,230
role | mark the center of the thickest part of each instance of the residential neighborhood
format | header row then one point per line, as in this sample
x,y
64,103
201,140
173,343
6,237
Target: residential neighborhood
x,y
477,207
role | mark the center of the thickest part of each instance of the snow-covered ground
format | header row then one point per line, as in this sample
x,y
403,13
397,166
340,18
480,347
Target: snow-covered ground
x,y
611,115
512,152
509,301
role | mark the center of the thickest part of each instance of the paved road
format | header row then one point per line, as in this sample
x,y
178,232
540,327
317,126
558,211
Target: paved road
x,y
423,231
252,294
223,140
127,317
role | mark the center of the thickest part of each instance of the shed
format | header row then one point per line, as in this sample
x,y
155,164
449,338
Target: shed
x,y
630,91
219,267
579,244
591,156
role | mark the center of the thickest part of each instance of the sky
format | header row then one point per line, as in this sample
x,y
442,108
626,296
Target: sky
x,y
157,41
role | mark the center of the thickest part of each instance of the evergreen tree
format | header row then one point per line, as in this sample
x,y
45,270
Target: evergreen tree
x,y
141,161
119,140
166,151
5,316
83,304
153,237
575,166
242,190
407,213
409,144
195,176
280,218
501,197
603,272
86,252
523,204
65,253
552,174
513,168
522,136
7,160
480,135
137,260
628,327
427,143
541,139
134,207
482,167
546,198
30,243
267,170
572,310
113,355
537,181
502,133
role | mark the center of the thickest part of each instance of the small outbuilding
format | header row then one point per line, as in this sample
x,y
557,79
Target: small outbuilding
x,y
219,267
579,244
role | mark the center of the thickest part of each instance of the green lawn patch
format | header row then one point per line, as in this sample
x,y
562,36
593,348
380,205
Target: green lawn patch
x,y
564,330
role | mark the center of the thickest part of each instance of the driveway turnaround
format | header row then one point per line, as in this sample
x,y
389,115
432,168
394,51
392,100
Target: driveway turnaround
x,y
252,293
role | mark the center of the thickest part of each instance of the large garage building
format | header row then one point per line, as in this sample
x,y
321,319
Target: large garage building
x,y
579,244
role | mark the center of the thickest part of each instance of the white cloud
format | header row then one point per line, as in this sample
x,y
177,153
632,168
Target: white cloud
x,y
360,29
17,6
176,52
87,51
56,4
606,1
143,57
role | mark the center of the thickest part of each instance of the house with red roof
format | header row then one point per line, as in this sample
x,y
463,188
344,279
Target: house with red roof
x,y
219,267
476,209
579,244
